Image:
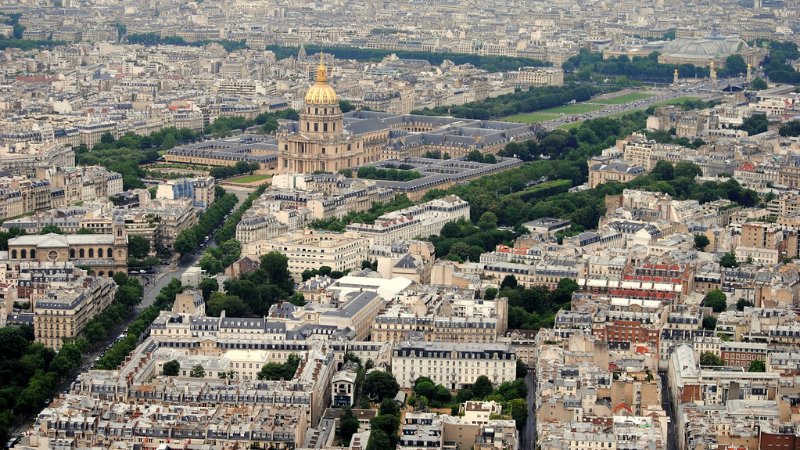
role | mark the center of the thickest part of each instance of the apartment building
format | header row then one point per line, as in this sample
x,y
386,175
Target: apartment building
x,y
448,318
199,190
454,365
65,308
310,249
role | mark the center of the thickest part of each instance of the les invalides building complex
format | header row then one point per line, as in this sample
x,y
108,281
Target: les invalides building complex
x,y
319,142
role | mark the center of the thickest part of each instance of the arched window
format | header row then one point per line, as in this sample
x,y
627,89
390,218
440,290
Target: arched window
x,y
91,253
325,127
33,253
316,126
81,253
308,126
109,252
101,273
14,254
316,110
23,254
99,252
72,253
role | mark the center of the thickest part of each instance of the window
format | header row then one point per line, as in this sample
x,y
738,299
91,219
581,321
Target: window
x,y
23,253
91,253
316,126
33,253
325,127
99,252
14,254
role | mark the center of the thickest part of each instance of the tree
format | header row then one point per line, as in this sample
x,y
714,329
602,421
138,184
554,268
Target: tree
x,y
488,221
208,286
741,304
348,426
171,368
197,372
701,241
716,300
186,242
685,169
138,247
510,281
710,323
378,440
277,371
710,359
380,384
664,171
490,293
387,423
482,387
47,229
389,406
522,369
757,366
519,412
424,386
231,304
276,265
728,260
758,84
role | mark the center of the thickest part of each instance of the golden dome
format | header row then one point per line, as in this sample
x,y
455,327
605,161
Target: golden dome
x,y
321,93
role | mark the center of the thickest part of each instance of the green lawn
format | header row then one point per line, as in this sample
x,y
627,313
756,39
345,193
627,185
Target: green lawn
x,y
575,108
533,117
249,178
625,98
675,101
571,125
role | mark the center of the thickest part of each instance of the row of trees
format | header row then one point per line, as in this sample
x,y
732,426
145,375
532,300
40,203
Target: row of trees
x,y
228,229
189,239
114,356
216,258
325,271
375,173
522,101
267,122
151,39
31,373
488,63
641,68
477,156
129,294
240,168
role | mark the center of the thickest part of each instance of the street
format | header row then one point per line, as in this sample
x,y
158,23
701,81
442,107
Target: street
x,y
152,286
666,404
528,437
